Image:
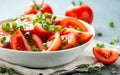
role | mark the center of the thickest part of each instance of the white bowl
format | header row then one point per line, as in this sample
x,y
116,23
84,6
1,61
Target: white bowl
x,y
44,59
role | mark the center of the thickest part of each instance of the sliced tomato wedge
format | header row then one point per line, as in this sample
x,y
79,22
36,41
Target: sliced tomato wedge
x,y
38,41
18,42
39,30
82,37
105,56
73,23
68,40
54,42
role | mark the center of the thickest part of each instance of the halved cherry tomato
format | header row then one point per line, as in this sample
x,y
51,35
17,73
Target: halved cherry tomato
x,y
68,40
37,40
39,30
82,37
73,23
83,12
105,56
18,42
54,42
41,8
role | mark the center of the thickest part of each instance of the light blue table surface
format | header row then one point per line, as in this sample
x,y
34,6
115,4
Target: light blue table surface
x,y
104,12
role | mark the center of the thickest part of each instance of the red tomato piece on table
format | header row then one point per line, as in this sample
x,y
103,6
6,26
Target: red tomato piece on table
x,y
54,42
83,12
40,8
18,42
105,56
73,23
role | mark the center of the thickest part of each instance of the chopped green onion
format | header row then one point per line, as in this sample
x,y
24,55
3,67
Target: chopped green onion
x,y
54,17
47,15
79,29
99,72
112,43
14,24
36,49
81,43
45,45
11,31
99,45
84,66
10,71
62,48
3,70
3,40
6,27
20,27
58,28
111,24
30,42
113,71
91,69
99,34
51,30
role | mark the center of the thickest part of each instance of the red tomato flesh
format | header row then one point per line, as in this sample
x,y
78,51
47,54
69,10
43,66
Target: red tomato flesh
x,y
73,23
54,42
105,56
18,42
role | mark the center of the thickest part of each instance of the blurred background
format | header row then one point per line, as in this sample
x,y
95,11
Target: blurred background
x,y
104,11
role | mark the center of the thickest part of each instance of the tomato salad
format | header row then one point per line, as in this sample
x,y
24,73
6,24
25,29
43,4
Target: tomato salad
x,y
43,32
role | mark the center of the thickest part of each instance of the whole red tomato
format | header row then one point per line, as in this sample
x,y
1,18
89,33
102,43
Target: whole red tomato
x,y
40,7
83,12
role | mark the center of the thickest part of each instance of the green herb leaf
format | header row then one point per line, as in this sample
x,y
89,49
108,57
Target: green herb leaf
x,y
91,69
36,49
79,29
3,70
113,71
45,45
99,45
58,28
99,34
111,24
112,43
62,48
14,24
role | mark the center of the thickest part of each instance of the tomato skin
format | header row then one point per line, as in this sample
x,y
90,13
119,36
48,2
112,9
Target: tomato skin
x,y
105,56
71,37
30,9
37,40
54,42
82,37
39,30
73,23
82,12
18,42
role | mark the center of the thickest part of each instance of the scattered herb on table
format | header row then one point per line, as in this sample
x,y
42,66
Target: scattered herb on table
x,y
99,34
111,24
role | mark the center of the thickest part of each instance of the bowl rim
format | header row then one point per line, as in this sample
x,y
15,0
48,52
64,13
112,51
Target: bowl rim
x,y
58,51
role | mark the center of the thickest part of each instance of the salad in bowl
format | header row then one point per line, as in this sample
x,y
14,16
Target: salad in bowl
x,y
43,40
